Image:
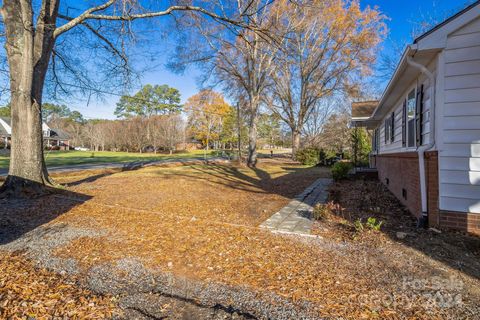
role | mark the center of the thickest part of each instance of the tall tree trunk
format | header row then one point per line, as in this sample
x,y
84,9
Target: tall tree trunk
x,y
28,54
252,140
208,140
295,142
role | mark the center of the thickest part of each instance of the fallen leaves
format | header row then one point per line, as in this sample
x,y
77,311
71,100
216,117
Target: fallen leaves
x,y
29,292
199,222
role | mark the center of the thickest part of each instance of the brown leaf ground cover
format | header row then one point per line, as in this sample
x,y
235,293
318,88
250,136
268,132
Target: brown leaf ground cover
x,y
200,222
221,193
27,292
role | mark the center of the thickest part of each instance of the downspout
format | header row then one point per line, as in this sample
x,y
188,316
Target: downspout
x,y
423,220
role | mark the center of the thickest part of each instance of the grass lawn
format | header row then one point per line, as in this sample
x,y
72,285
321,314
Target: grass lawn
x,y
62,158
199,224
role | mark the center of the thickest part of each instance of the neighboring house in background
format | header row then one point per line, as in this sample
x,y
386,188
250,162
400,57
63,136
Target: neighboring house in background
x,y
189,144
5,132
426,126
52,138
56,138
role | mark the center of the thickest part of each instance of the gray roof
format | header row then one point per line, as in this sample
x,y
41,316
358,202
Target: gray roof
x,y
59,134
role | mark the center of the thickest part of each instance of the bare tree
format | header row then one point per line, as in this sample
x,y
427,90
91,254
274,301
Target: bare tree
x,y
330,46
33,46
239,61
167,131
315,124
336,134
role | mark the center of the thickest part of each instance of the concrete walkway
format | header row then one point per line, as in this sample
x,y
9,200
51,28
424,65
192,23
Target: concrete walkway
x,y
125,165
296,217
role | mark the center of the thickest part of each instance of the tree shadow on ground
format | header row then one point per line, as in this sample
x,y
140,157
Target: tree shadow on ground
x,y
260,181
130,166
92,178
361,199
18,216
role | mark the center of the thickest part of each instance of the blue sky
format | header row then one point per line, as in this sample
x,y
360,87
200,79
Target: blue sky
x,y
402,16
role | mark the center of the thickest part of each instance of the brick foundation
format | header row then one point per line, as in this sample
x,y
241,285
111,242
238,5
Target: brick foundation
x,y
400,173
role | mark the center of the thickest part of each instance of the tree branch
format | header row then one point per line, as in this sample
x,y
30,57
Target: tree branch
x,y
101,37
89,15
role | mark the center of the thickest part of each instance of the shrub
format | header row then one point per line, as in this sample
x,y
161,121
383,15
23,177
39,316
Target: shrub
x,y
322,157
340,170
373,224
321,211
308,156
358,224
229,154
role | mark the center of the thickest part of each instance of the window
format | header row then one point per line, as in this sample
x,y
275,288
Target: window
x,y
410,117
392,127
386,130
389,128
375,140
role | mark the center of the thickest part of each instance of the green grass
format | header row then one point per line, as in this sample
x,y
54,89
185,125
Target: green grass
x,y
63,158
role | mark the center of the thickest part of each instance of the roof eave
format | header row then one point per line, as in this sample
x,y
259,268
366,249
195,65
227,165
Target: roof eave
x,y
393,79
429,44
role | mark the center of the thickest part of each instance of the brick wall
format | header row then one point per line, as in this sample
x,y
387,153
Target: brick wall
x,y
469,222
402,172
399,172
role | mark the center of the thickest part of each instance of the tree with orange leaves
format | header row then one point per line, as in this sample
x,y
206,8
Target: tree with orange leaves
x,y
207,111
330,47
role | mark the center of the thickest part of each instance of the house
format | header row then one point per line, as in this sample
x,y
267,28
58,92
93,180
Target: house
x,y
5,132
426,125
56,139
52,138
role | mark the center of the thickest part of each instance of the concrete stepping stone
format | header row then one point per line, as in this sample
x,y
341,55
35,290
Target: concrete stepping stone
x,y
296,217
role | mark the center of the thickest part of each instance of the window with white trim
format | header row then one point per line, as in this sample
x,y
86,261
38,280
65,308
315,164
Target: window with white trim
x,y
410,119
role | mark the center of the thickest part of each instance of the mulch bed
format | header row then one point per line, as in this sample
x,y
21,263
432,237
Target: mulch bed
x,y
356,200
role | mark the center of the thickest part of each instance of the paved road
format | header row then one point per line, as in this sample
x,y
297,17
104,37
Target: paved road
x,y
125,165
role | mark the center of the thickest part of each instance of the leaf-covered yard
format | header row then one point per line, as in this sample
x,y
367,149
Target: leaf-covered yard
x,y
191,232
26,291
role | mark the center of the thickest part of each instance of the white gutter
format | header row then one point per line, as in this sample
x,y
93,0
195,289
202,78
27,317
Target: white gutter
x,y
422,149
393,79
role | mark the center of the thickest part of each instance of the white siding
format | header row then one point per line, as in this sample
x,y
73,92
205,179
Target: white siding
x,y
459,135
396,145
